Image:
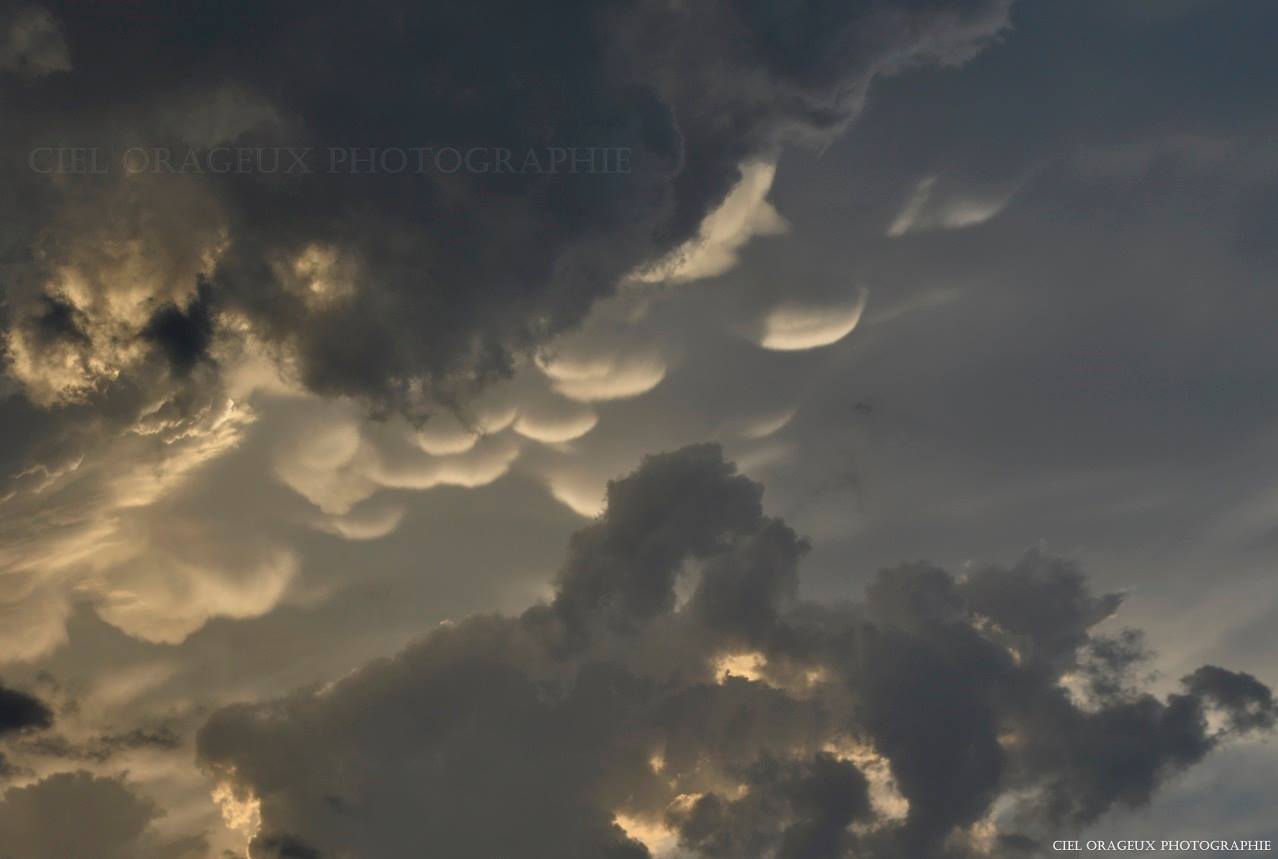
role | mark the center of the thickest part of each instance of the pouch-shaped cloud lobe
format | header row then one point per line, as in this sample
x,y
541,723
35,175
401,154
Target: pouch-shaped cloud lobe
x,y
677,691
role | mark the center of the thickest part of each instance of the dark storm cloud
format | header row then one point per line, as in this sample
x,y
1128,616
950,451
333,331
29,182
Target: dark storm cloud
x,y
431,282
825,793
183,334
20,711
1043,602
284,847
625,568
1247,702
737,719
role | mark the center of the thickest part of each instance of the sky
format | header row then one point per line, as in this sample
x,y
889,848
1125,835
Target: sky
x,y
636,429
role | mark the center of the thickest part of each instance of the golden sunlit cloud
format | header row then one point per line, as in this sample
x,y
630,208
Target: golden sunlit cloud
x,y
660,839
241,814
749,665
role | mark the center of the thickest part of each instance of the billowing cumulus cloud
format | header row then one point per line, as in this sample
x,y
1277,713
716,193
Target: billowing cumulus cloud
x,y
677,696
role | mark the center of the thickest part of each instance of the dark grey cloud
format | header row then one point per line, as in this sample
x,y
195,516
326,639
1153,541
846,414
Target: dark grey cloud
x,y
1248,703
1044,603
111,821
20,711
183,334
824,793
103,747
678,688
284,847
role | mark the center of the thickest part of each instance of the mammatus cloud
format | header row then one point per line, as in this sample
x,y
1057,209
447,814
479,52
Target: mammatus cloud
x,y
793,327
554,426
612,376
132,296
676,697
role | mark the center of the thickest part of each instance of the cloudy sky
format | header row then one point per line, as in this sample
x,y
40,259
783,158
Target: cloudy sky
x,y
636,429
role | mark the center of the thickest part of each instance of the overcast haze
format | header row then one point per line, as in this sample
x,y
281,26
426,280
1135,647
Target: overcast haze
x,y
637,429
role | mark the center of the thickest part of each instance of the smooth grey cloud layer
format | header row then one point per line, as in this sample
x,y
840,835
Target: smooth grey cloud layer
x,y
76,814
675,688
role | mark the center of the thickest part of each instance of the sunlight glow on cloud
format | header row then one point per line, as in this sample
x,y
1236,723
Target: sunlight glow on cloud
x,y
92,530
744,214
161,597
889,805
481,465
748,664
604,377
660,839
584,500
556,429
444,434
371,525
793,327
241,811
